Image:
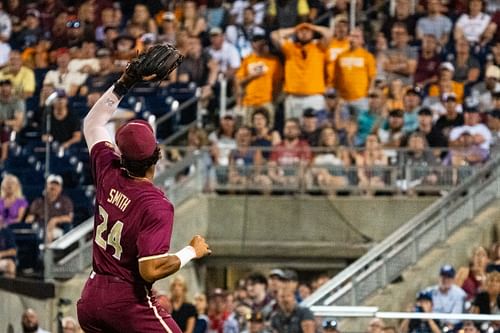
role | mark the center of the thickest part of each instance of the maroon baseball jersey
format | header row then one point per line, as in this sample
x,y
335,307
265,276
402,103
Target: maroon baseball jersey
x,y
133,219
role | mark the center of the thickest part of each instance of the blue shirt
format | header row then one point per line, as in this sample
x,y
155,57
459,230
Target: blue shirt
x,y
366,122
450,302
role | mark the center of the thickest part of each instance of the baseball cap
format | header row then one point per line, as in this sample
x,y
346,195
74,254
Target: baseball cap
x,y
291,275
33,12
61,93
277,272
215,31
471,109
415,90
495,113
331,93
424,295
54,179
103,53
448,66
257,317
168,16
396,113
308,113
447,271
136,140
493,72
5,82
330,324
449,97
61,51
148,38
218,292
425,112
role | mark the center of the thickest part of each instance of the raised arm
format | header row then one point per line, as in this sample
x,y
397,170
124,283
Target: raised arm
x,y
279,36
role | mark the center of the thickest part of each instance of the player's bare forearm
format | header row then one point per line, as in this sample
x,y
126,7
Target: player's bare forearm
x,y
159,268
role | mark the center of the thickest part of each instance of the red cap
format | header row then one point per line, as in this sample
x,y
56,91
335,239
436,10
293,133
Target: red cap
x,y
136,140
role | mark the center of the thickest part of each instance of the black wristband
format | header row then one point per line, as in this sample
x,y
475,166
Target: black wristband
x,y
120,89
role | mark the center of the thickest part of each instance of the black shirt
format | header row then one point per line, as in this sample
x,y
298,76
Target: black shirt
x,y
62,130
182,314
445,125
482,301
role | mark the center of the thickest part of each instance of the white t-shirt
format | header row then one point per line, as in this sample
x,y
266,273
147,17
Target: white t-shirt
x,y
473,28
226,57
473,130
64,81
76,65
4,53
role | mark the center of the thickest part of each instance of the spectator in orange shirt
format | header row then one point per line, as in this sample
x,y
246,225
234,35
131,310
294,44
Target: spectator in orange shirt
x,y
446,84
304,67
339,43
258,80
354,72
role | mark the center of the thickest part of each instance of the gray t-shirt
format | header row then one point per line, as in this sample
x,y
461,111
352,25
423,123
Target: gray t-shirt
x,y
398,55
436,26
9,108
282,323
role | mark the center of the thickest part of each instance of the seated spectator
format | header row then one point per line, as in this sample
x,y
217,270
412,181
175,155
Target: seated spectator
x,y
12,202
428,61
168,28
142,17
433,135
446,84
30,323
328,163
304,67
336,114
240,34
475,25
97,83
371,162
258,79
488,300
37,56
60,209
8,252
494,127
310,129
84,59
452,118
420,161
434,23
183,312
447,297
480,133
354,72
424,305
472,277
465,151
467,66
61,77
392,136
30,33
412,102
485,90
402,14
291,317
262,135
376,325
202,322
64,127
401,57
12,108
494,255
289,158
124,49
192,20
223,140
70,325
370,120
245,162
22,77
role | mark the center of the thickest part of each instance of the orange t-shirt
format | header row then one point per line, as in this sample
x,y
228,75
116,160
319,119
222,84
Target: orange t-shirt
x,y
335,48
456,87
304,68
354,71
260,90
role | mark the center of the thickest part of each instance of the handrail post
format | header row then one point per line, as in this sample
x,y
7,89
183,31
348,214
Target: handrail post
x,y
223,94
352,14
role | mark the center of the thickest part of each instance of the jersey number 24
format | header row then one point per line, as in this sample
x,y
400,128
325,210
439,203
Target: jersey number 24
x,y
114,236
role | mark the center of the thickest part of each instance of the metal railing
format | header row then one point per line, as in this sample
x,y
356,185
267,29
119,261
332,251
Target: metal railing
x,y
387,260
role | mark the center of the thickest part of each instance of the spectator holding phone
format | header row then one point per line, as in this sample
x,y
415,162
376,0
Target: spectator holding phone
x,y
423,304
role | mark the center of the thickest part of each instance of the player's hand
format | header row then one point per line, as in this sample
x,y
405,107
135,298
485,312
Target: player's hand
x,y
200,246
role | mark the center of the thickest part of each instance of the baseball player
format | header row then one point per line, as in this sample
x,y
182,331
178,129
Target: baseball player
x,y
133,219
